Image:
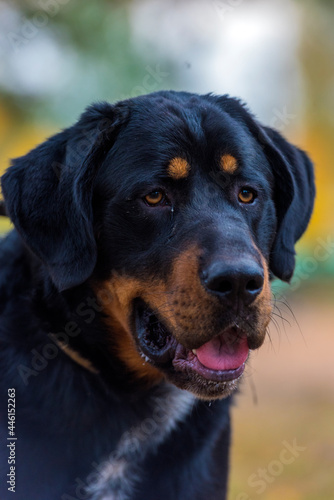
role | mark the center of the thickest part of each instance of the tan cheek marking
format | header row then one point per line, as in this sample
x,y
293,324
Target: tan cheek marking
x,y
178,168
263,304
123,290
228,164
192,307
124,346
265,294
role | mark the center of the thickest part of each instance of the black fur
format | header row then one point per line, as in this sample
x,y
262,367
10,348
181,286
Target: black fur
x,y
2,209
76,203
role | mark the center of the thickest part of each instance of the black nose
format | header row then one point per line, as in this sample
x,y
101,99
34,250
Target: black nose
x,y
238,280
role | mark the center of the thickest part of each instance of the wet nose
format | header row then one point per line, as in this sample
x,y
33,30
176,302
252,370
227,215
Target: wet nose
x,y
239,280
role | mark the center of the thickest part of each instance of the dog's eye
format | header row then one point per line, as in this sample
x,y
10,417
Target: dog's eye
x,y
155,198
246,195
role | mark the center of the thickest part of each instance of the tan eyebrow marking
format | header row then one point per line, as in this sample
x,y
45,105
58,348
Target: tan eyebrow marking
x,y
178,168
228,164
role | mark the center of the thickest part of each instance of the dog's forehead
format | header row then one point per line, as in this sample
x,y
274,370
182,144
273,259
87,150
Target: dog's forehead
x,y
176,138
189,120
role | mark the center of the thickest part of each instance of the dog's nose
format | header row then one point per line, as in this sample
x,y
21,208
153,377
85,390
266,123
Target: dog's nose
x,y
239,280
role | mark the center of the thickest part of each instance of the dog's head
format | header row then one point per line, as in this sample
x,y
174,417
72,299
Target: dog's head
x,y
182,207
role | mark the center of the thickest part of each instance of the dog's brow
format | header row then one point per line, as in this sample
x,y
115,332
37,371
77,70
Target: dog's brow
x,y
178,168
228,164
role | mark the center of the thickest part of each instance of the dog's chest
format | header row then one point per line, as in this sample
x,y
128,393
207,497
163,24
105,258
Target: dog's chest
x,y
119,473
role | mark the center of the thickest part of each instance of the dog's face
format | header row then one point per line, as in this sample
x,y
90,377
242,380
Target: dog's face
x,y
181,207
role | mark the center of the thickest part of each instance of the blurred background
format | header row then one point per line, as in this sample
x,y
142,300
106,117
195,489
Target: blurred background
x,y
57,56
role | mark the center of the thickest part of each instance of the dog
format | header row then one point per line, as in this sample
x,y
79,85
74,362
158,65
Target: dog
x,y
133,286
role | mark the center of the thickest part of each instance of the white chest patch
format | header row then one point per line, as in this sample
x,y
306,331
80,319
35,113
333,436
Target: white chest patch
x,y
119,473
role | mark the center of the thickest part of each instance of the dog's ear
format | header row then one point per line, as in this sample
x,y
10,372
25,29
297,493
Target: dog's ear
x,y
294,188
48,194
294,194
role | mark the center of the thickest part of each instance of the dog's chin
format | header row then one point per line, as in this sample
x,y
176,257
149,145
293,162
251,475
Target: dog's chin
x,y
211,371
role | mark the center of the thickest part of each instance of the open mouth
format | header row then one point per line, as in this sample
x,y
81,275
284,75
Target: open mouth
x,y
221,359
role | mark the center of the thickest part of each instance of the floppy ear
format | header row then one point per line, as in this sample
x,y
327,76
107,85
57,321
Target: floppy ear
x,y
294,198
48,194
294,188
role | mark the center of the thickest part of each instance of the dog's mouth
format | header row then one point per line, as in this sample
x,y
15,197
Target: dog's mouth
x,y
221,359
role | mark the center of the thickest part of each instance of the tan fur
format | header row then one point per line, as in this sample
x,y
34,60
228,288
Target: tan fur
x,y
124,290
183,305
124,346
264,307
178,168
228,164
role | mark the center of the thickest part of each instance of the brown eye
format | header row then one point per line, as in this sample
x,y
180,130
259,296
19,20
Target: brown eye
x,y
246,195
154,198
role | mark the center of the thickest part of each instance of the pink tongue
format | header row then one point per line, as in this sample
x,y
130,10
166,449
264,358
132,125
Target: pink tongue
x,y
225,352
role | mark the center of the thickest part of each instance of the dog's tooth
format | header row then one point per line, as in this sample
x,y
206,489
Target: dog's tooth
x,y
146,358
194,351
